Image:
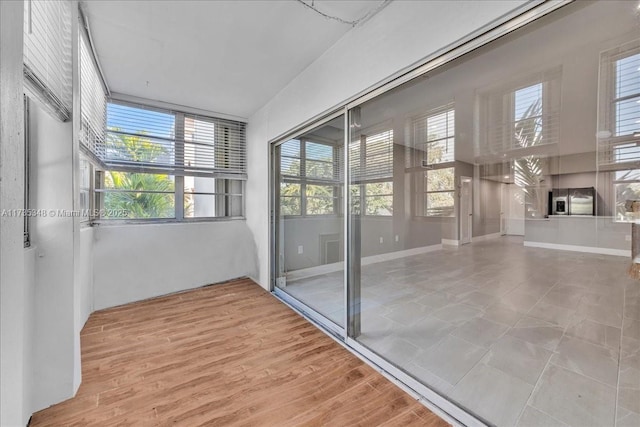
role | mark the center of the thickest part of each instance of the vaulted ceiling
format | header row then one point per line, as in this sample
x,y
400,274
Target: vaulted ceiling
x,y
228,57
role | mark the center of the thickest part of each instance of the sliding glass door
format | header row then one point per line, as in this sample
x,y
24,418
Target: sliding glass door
x,y
309,226
487,209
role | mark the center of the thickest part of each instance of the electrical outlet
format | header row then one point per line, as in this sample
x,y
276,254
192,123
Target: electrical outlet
x,y
627,237
381,239
397,238
300,250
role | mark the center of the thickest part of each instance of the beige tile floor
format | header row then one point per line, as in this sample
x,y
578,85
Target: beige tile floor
x,y
519,336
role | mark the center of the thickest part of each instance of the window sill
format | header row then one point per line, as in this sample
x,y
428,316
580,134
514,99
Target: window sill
x,y
120,222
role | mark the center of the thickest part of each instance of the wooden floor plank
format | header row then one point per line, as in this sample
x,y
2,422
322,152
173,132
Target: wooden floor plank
x,y
227,354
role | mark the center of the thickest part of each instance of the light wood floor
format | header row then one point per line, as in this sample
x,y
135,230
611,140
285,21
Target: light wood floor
x,y
228,354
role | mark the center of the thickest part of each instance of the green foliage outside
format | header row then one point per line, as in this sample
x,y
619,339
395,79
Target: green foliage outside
x,y
133,196
439,184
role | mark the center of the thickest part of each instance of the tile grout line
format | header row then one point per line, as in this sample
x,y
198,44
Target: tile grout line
x,y
615,411
489,349
536,385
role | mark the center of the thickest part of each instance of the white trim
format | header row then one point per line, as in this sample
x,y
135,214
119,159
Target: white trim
x,y
576,248
450,242
339,266
400,254
485,237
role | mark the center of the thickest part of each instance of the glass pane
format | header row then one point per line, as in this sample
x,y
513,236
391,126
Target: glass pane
x,y
439,204
628,116
318,169
320,199
626,195
290,199
309,225
138,195
628,175
628,76
199,205
512,239
528,102
440,179
138,181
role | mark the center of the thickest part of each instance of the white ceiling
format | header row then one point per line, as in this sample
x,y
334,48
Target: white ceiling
x,y
229,57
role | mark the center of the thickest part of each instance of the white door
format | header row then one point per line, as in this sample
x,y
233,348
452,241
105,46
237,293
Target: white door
x,y
466,206
504,207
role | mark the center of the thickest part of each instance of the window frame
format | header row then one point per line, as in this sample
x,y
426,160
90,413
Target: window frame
x,y
303,180
427,145
613,100
27,174
497,128
363,156
423,194
226,207
90,209
421,169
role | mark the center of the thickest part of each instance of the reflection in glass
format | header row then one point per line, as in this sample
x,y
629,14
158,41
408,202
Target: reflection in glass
x,y
468,268
309,219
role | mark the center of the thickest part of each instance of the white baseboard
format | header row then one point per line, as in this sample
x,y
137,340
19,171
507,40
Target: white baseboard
x,y
399,254
485,237
450,242
338,266
576,248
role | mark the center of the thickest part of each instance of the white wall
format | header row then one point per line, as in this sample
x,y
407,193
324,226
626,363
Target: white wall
x,y
135,262
86,273
402,34
13,369
52,240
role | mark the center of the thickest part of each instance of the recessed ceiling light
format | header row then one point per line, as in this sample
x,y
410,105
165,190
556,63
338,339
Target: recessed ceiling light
x,y
506,177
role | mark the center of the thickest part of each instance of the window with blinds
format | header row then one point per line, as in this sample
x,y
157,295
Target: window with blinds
x,y
48,54
619,107
371,157
434,137
310,177
167,164
371,162
145,139
93,105
521,115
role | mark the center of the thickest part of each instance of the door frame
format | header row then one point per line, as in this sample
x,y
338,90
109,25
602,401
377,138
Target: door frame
x,y
468,201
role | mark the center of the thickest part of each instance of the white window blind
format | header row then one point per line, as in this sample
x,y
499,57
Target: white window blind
x,y
93,104
47,54
290,158
619,107
145,139
371,158
522,114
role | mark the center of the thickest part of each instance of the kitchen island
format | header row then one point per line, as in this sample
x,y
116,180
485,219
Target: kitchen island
x,y
581,233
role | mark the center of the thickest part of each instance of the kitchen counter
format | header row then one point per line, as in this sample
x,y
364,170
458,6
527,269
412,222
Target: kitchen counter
x,y
583,233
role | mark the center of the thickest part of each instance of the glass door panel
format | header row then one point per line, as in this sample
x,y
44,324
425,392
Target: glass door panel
x,y
309,219
489,213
